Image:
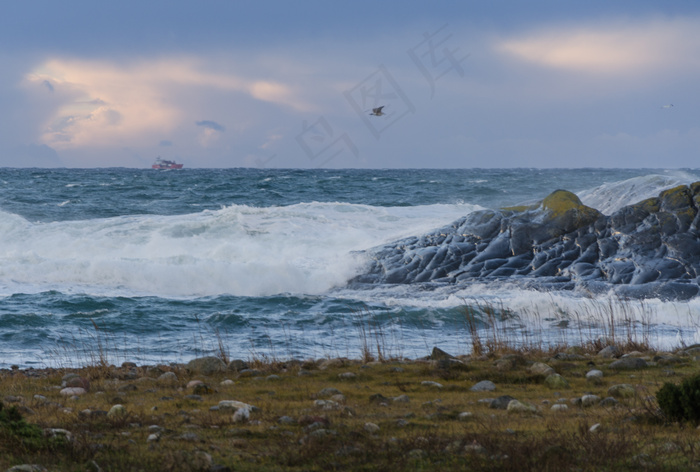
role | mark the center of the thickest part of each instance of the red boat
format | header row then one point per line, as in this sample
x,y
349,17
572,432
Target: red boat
x,y
164,164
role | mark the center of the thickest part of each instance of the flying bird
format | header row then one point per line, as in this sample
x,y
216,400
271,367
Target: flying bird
x,y
377,111
670,105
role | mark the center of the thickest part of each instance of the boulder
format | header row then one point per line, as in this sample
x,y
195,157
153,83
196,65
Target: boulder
x,y
650,249
206,365
556,382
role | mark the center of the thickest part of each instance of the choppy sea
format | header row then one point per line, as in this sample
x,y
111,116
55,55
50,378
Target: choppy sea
x,y
164,266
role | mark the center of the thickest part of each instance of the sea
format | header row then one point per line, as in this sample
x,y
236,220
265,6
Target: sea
x,y
114,265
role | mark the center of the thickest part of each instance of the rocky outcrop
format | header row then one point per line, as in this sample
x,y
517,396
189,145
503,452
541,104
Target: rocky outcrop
x,y
649,249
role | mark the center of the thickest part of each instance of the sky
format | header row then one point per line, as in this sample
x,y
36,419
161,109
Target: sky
x,y
280,84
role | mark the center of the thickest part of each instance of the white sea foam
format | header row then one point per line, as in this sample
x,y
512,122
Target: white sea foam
x,y
306,248
610,197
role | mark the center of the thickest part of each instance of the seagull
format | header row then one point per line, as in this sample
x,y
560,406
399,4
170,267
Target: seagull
x,y
377,111
668,106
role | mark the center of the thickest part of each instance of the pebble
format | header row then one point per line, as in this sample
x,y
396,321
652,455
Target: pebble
x,y
430,383
73,391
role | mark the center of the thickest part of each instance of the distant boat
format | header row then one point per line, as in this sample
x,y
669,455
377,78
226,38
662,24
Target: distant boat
x,y
164,164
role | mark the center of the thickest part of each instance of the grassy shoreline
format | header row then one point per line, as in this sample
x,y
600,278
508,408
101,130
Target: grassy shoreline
x,y
356,414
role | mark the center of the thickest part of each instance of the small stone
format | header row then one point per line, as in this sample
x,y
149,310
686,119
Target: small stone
x,y
117,411
193,383
273,377
483,386
58,433
249,373
501,403
516,406
590,400
430,383
540,368
236,365
327,405
371,428
153,437
235,405
559,407
595,428
206,365
609,402
609,352
622,391
339,398
241,415
629,363
465,416
594,376
286,420
168,378
328,391
73,391
77,381
27,468
347,376
378,398
556,381
202,389
401,399
227,383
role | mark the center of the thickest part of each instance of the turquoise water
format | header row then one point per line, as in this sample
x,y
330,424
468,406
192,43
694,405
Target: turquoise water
x,y
153,266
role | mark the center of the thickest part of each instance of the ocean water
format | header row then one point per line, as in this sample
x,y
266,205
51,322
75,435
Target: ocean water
x,y
164,266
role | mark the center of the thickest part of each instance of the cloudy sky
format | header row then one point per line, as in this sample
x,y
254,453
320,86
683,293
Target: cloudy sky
x,y
275,83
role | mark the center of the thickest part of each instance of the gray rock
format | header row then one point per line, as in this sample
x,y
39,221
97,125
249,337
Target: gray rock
x,y
558,244
28,468
483,386
515,406
237,365
371,428
286,420
540,368
117,411
167,379
610,351
465,416
439,354
556,382
609,402
559,407
590,400
629,363
594,375
328,391
73,391
206,365
501,403
235,405
622,391
430,383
